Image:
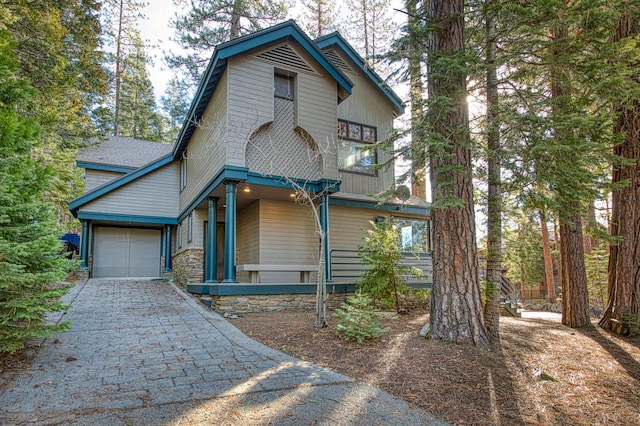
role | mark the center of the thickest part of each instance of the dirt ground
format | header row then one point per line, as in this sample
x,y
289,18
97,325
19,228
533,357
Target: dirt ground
x,y
540,373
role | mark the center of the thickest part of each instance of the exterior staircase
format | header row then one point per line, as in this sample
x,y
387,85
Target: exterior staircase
x,y
509,298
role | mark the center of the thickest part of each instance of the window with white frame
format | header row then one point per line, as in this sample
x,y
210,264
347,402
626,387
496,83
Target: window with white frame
x,y
190,228
415,234
179,235
356,153
183,170
283,86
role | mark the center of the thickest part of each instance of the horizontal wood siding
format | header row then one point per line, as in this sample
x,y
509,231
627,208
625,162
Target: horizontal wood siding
x,y
348,226
287,236
95,178
206,151
248,237
316,114
367,105
250,103
155,194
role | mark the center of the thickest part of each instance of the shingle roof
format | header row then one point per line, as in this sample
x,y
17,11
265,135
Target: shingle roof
x,y
123,152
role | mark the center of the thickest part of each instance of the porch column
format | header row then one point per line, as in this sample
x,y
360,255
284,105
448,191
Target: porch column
x,y
84,245
167,248
324,223
230,234
212,236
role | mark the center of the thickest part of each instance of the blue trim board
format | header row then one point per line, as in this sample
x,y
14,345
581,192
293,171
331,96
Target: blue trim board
x,y
104,167
288,30
281,182
336,39
378,206
226,173
76,203
127,218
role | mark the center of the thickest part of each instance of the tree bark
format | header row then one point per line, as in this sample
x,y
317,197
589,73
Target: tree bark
x,y
575,298
456,306
548,260
623,289
418,152
494,198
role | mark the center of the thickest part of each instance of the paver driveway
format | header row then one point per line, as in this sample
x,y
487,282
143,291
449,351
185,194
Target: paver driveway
x,y
143,352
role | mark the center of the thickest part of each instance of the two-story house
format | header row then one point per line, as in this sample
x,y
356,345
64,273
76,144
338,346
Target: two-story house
x,y
275,112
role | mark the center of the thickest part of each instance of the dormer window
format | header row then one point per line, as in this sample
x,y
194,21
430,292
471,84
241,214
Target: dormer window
x,y
356,153
283,86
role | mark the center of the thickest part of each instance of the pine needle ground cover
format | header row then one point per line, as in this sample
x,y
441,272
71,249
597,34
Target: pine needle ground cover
x,y
542,373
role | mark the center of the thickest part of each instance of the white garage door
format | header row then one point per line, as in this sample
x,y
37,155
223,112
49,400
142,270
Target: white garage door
x,y
126,252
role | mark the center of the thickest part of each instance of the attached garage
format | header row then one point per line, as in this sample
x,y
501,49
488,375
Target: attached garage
x,y
126,252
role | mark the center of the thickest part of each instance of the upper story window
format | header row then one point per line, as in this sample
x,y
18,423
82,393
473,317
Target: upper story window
x,y
183,171
283,86
355,151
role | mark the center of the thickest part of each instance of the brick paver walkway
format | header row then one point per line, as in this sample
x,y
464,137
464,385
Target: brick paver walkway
x,y
143,352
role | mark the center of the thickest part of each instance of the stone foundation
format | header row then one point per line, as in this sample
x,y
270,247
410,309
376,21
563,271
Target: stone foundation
x,y
280,302
188,266
262,303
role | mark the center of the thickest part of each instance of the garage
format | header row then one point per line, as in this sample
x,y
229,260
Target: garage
x,y
126,252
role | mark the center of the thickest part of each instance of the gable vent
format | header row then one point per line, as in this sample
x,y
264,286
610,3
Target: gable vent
x,y
286,56
337,60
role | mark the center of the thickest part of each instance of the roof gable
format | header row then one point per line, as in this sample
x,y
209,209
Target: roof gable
x,y
288,30
335,40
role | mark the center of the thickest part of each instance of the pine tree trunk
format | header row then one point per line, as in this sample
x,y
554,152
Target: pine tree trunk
x,y
494,198
548,260
575,298
623,290
418,153
456,306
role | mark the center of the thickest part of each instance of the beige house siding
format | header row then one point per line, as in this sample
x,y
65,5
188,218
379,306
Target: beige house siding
x,y
206,151
367,105
287,236
154,194
248,237
348,225
250,103
95,178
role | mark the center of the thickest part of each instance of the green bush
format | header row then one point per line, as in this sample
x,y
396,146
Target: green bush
x,y
358,320
384,281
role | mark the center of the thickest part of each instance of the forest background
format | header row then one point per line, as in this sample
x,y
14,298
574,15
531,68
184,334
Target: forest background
x,y
553,138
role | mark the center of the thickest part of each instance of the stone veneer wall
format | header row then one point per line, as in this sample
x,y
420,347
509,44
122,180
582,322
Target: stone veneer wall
x,y
280,302
188,266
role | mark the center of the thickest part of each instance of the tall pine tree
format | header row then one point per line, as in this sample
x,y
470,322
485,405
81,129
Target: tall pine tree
x,y
29,264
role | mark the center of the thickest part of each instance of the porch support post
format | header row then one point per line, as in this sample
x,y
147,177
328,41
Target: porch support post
x,y
324,222
167,248
212,236
84,245
230,233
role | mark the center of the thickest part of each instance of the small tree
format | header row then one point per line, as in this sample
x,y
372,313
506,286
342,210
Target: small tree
x,y
358,319
384,280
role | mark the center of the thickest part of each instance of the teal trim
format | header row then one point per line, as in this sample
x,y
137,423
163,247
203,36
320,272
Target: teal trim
x,y
234,173
335,39
324,222
230,233
288,30
211,264
84,245
104,167
167,248
98,192
376,206
282,182
115,217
